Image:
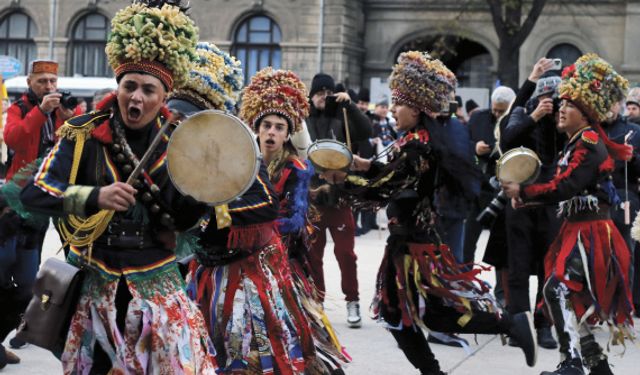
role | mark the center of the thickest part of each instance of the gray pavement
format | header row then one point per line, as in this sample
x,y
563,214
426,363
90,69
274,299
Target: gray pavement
x,y
373,349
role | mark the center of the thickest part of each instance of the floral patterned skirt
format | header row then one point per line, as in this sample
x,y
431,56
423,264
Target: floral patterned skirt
x,y
252,314
164,333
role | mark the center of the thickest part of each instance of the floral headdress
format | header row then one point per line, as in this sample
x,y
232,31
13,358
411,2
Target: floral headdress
x,y
153,37
275,92
420,81
593,85
215,80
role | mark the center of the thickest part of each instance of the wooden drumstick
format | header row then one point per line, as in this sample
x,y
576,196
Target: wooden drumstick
x,y
154,144
346,128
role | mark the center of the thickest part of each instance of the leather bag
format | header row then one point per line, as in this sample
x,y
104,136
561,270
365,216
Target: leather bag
x,y
56,292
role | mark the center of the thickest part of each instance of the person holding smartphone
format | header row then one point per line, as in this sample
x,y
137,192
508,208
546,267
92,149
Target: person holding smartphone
x,y
326,121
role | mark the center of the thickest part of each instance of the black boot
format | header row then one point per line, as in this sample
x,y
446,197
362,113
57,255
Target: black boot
x,y
545,338
521,329
602,368
570,366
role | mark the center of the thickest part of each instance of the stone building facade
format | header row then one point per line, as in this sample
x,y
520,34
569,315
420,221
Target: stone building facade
x,y
360,38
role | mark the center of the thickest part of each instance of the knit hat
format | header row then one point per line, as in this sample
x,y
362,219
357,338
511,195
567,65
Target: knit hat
x,y
470,105
153,37
593,85
420,81
546,85
215,82
321,82
634,96
275,92
364,95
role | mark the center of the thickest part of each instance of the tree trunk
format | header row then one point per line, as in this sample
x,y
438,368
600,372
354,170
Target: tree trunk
x,y
508,65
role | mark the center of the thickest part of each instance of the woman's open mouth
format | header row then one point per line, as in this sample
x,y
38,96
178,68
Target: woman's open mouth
x,y
134,113
270,142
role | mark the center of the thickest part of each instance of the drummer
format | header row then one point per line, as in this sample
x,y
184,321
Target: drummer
x,y
132,292
275,105
240,278
327,121
419,283
587,265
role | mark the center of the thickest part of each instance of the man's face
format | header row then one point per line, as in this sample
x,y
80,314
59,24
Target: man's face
x,y
382,110
272,131
406,117
140,97
319,99
363,106
42,83
633,110
499,109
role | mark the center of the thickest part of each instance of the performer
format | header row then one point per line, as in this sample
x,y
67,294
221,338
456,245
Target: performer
x,y
275,105
419,282
587,266
133,314
240,277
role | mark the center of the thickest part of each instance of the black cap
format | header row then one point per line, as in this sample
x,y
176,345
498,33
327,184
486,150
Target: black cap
x,y
352,95
470,105
364,95
340,88
321,81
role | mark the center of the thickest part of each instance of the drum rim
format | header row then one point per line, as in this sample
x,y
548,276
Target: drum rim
x,y
333,142
256,150
518,151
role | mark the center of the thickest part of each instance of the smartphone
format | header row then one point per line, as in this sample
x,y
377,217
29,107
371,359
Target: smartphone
x,y
330,106
557,64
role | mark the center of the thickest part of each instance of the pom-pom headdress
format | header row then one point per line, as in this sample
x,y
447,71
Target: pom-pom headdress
x,y
153,37
275,92
215,80
420,81
593,85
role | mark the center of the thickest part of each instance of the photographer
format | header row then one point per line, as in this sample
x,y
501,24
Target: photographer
x,y
531,230
30,130
326,121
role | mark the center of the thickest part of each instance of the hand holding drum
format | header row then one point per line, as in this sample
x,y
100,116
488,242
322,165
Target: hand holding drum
x,y
515,167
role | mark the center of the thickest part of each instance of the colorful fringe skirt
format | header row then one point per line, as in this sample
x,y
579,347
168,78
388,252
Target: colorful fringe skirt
x,y
411,273
328,348
164,333
252,313
602,294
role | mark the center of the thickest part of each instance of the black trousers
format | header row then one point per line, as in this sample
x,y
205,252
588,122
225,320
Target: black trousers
x,y
441,318
530,232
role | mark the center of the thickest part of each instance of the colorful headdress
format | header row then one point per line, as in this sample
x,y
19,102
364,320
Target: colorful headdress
x,y
153,37
215,80
420,81
593,85
275,92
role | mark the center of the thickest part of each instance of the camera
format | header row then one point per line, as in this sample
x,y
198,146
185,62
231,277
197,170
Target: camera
x,y
68,101
488,216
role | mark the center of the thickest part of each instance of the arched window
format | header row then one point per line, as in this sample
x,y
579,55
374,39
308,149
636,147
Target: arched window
x,y
565,51
87,42
256,44
16,38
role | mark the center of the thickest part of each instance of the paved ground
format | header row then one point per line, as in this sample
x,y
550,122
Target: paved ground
x,y
373,349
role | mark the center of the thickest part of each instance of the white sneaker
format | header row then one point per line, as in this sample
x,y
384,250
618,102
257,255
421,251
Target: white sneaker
x,y
353,314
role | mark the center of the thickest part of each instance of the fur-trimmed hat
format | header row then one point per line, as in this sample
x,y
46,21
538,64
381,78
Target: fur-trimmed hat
x,y
593,85
420,81
215,81
153,37
275,92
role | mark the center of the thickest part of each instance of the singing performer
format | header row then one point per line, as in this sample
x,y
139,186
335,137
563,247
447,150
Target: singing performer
x,y
275,105
240,277
420,284
587,266
133,314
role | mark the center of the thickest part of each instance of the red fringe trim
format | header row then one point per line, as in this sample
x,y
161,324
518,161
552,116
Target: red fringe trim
x,y
251,236
618,151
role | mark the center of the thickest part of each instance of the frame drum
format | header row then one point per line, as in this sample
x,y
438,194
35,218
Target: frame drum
x,y
328,154
213,157
519,165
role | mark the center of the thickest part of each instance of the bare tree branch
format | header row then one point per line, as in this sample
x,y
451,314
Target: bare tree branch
x,y
529,23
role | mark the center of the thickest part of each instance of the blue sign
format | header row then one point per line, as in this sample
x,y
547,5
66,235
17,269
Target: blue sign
x,y
10,66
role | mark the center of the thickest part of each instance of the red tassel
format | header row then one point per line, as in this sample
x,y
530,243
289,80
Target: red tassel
x,y
618,151
107,102
251,237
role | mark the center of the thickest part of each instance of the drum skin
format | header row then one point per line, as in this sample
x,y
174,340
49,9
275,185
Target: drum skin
x,y
519,165
327,154
213,157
